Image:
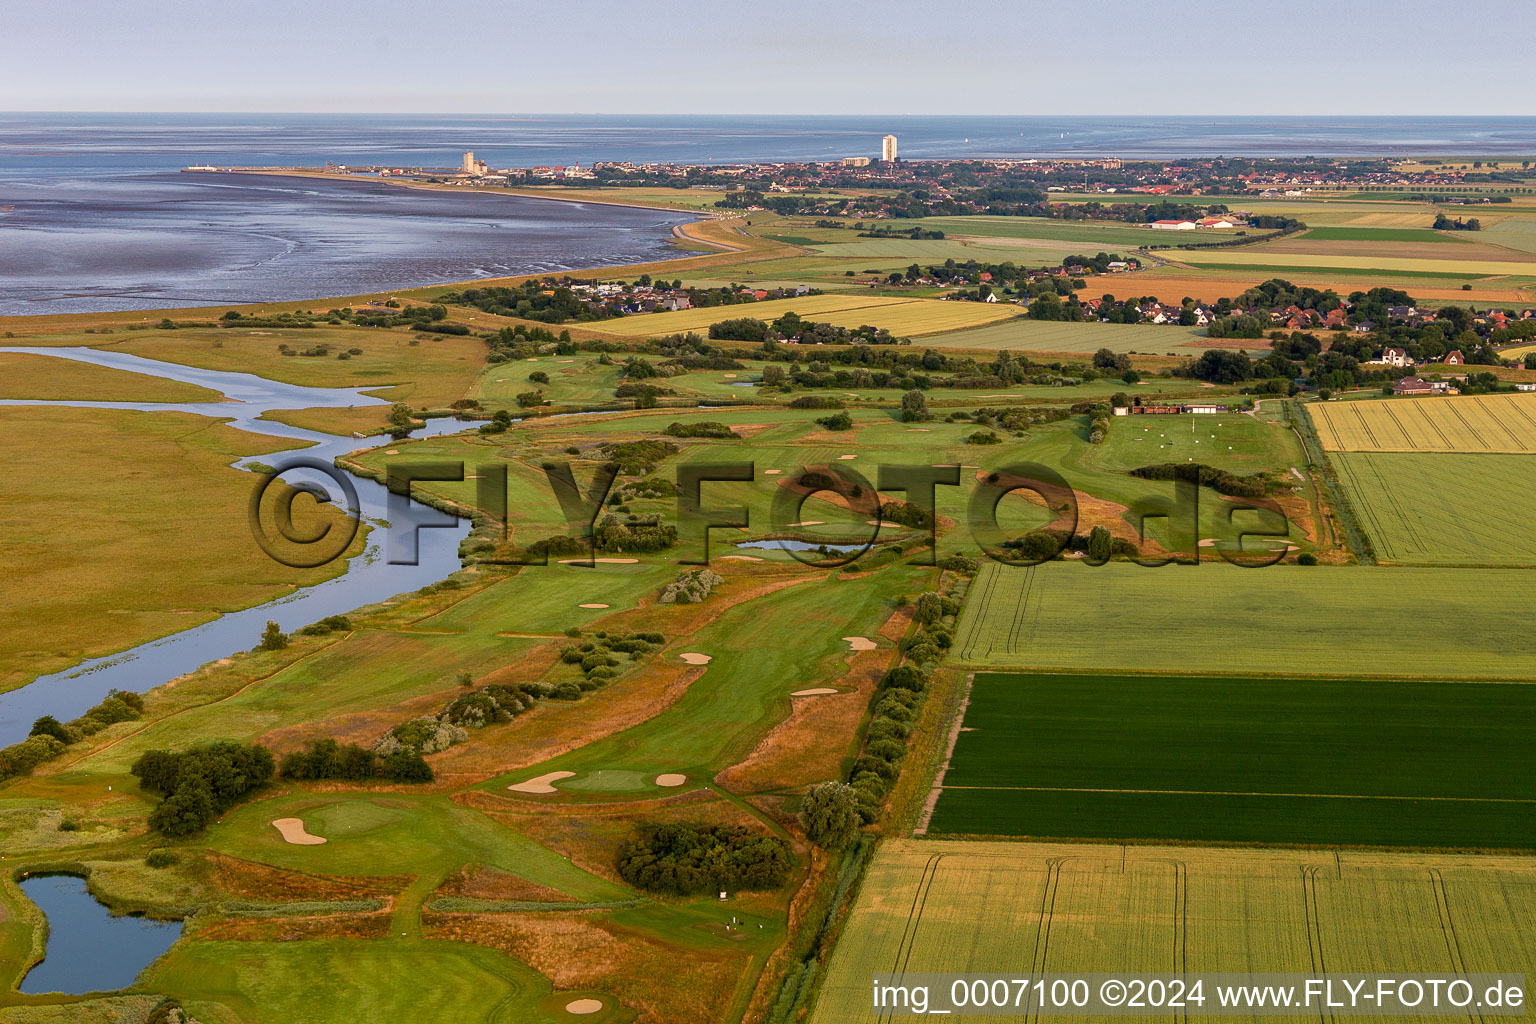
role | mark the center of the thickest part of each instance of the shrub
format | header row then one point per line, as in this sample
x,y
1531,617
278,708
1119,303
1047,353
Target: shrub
x,y
903,677
830,815
49,726
272,637
21,758
690,587
688,859
837,421
161,859
1306,558
407,766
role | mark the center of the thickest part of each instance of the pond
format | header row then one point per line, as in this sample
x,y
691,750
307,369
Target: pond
x,y
801,545
89,949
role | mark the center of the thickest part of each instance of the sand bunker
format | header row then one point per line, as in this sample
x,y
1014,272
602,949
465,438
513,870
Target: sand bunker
x,y
671,779
819,691
583,1006
730,376
739,558
612,561
847,456
696,659
809,522
593,605
293,832
772,472
392,451
542,784
882,522
860,643
922,430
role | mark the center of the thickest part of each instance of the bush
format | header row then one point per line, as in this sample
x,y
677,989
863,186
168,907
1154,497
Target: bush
x,y
837,421
326,759
21,758
161,859
687,859
272,637
903,677
1306,558
407,766
49,726
690,587
830,816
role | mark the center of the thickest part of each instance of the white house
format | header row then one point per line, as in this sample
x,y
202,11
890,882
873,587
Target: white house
x,y
1174,225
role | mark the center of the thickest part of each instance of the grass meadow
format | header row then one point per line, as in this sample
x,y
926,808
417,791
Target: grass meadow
x,y
1213,617
1019,908
42,378
1311,761
97,501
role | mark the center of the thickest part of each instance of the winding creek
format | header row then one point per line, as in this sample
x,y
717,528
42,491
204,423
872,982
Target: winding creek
x,y
369,576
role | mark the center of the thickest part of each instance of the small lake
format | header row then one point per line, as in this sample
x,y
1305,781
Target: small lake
x,y
802,545
90,950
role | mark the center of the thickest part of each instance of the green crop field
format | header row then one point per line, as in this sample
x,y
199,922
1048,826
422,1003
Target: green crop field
x,y
1443,509
1213,617
1445,423
1099,235
1017,908
1369,234
1328,761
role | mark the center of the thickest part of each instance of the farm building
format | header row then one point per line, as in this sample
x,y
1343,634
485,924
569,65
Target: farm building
x,y
1419,386
1174,225
1204,408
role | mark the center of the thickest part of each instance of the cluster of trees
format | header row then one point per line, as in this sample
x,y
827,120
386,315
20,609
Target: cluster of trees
x,y
1220,480
793,327
897,704
916,234
1444,223
1098,423
685,860
327,759
690,587
597,655
531,300
515,344
48,736
201,782
707,428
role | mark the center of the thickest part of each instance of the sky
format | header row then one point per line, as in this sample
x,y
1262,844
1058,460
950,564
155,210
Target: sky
x,y
1148,57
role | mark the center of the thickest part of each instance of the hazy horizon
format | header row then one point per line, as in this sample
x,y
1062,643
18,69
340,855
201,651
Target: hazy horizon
x,y
1121,58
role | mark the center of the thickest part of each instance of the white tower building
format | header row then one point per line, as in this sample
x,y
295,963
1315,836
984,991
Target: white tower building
x,y
888,148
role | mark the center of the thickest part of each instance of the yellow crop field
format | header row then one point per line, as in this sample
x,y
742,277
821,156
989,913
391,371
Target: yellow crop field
x,y
1393,220
1446,423
899,316
1259,258
1017,908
